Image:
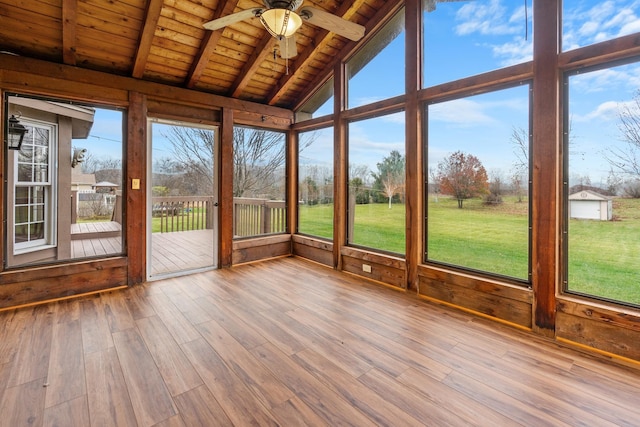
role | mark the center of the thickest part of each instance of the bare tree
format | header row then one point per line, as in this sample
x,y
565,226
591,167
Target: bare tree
x,y
257,157
627,159
390,176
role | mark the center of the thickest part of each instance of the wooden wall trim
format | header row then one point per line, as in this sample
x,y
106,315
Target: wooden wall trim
x,y
261,248
32,285
620,317
619,48
314,249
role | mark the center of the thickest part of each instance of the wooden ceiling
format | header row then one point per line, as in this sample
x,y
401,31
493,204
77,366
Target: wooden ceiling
x,y
164,41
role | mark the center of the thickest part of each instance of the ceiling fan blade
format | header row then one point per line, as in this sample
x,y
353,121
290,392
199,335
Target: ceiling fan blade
x,y
222,22
333,23
288,48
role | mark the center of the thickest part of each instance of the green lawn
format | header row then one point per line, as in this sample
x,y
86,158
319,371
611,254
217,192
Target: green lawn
x,y
603,254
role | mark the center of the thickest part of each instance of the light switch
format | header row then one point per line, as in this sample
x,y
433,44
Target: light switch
x,y
135,184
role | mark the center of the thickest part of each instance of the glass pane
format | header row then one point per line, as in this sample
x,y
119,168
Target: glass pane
x,y
478,170
183,193
259,182
22,214
603,190
376,72
25,173
320,104
315,185
36,231
80,146
462,39
585,22
376,183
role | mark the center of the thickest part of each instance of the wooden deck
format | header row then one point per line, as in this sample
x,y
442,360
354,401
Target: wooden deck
x,y
171,252
288,342
181,251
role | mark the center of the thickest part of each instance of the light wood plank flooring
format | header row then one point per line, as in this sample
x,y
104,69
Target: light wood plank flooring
x,y
287,342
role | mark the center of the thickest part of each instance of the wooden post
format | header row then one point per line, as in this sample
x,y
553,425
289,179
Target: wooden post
x,y
414,209
340,165
545,163
225,180
136,168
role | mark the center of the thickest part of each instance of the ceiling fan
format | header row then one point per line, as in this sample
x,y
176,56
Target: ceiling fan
x,y
282,19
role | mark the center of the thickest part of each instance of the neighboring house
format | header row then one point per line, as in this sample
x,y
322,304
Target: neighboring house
x,y
587,204
82,182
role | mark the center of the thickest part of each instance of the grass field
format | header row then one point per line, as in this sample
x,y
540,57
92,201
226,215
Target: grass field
x,y
603,255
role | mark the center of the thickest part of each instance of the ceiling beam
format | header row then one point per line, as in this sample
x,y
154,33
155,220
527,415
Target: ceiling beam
x,y
154,7
69,22
208,45
347,10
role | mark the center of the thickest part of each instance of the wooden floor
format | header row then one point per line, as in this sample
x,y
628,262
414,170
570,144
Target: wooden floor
x,y
287,342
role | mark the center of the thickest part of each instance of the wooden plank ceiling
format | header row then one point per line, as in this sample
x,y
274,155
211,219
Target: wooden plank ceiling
x,y
164,41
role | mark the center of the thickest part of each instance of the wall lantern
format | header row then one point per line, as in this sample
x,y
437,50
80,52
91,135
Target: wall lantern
x,y
15,133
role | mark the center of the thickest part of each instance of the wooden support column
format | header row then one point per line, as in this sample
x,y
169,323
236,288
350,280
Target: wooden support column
x,y
292,182
136,169
546,163
413,142
340,165
225,184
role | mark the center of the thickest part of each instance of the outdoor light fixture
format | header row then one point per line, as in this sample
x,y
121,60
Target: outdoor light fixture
x,y
15,133
281,22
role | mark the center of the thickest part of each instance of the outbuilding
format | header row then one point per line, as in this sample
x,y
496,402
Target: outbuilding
x,y
587,204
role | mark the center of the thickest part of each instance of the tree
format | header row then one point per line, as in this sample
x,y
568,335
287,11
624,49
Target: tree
x,y
463,176
390,176
257,157
627,160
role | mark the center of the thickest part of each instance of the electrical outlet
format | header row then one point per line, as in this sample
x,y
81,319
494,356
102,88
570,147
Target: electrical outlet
x,y
366,268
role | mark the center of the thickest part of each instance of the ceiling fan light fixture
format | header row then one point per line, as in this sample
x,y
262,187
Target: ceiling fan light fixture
x,y
281,22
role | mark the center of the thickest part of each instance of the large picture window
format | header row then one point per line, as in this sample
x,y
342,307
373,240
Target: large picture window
x,y
259,182
588,22
376,210
462,39
602,190
478,174
64,195
315,183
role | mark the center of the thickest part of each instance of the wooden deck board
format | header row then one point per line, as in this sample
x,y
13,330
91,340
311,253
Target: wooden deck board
x,y
289,342
171,252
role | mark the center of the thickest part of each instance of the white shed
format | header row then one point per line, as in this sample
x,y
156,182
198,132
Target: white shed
x,y
588,204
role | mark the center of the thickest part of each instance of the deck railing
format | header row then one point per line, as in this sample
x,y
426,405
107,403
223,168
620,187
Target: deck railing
x,y
252,217
183,213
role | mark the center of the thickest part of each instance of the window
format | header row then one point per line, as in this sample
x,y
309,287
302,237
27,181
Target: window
x,y
320,104
259,182
462,39
602,190
478,174
34,207
589,22
377,71
315,183
65,188
376,211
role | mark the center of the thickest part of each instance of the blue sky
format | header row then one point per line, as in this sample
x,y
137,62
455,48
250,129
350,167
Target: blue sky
x,y
466,38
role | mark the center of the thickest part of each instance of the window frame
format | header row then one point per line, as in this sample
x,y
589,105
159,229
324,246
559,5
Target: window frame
x,y
50,193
